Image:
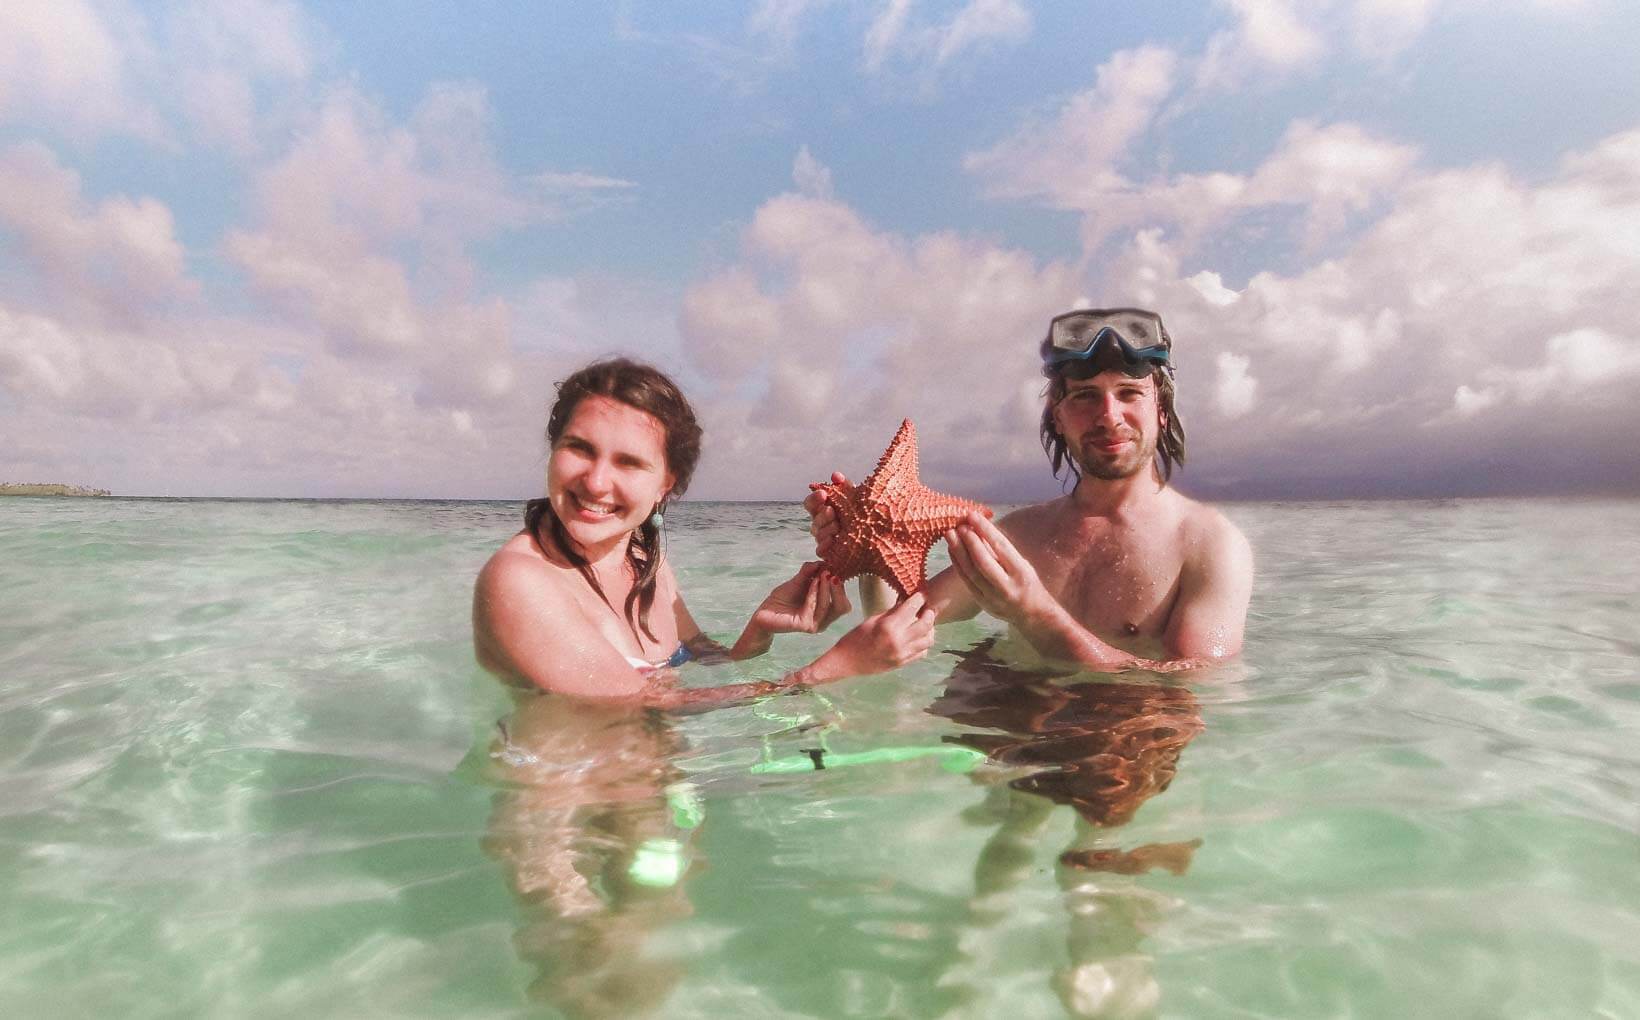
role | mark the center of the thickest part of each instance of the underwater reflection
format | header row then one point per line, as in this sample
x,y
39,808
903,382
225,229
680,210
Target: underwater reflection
x,y
1104,748
590,829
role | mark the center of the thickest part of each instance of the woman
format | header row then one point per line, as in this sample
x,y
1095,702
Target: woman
x,y
582,602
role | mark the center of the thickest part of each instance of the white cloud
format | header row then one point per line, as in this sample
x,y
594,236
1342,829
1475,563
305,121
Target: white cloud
x,y
885,31
1467,403
1430,317
116,257
1074,160
1237,390
85,69
1333,171
828,330
340,210
780,21
1268,35
64,60
979,23
580,181
223,56
1383,28
1083,159
1574,364
811,176
895,34
363,301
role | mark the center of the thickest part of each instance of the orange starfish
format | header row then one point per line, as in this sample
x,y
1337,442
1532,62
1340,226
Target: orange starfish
x,y
887,523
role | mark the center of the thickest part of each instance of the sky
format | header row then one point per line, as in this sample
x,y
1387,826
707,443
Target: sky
x,y
276,249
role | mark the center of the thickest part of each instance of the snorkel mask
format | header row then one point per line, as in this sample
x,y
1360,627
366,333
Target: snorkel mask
x,y
1130,340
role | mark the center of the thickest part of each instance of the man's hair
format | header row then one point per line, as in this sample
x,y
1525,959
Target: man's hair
x,y
647,389
1169,443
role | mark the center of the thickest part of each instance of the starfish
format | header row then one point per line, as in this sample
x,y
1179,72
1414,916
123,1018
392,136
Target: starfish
x,y
887,523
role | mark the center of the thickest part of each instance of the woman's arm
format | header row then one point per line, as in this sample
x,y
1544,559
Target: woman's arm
x,y
525,628
807,603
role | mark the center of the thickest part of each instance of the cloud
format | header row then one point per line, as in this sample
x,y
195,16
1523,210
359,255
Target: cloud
x,y
828,329
228,59
108,374
894,34
1074,159
361,215
117,257
1462,296
1578,362
1083,159
1237,390
205,72
1268,35
64,61
1428,344
579,181
780,21
1383,28
811,176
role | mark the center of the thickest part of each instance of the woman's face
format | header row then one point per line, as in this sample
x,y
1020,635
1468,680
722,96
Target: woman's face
x,y
607,471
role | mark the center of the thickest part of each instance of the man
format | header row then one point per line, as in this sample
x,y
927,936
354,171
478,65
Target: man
x,y
1123,572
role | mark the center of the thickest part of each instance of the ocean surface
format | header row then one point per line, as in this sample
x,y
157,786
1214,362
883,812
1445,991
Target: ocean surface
x,y
249,768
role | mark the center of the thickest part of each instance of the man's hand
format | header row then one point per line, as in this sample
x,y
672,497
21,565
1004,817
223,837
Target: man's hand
x,y
1000,578
886,641
822,518
808,603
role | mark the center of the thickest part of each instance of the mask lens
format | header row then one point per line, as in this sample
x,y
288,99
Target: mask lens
x,y
1078,333
1137,330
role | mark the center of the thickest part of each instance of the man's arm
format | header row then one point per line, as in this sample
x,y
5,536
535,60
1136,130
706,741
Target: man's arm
x,y
945,592
1209,617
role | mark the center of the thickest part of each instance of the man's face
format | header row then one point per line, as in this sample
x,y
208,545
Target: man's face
x,y
1110,424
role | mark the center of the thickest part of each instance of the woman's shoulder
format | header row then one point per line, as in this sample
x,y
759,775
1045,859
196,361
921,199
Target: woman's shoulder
x,y
517,567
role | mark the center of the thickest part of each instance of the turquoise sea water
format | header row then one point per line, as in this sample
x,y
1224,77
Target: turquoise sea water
x,y
248,768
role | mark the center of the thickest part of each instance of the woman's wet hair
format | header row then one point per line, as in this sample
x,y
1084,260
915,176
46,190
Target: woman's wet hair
x,y
647,389
1169,444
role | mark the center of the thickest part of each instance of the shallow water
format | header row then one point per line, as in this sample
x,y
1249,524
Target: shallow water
x,y
247,768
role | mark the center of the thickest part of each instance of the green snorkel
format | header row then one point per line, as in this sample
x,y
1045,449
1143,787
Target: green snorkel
x,y
953,758
659,861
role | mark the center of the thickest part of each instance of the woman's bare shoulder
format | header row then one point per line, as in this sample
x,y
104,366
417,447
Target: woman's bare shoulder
x,y
518,569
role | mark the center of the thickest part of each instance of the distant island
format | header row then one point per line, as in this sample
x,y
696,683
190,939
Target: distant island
x,y
47,489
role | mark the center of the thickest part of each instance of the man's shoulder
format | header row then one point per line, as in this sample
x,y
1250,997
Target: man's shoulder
x,y
1208,532
1033,514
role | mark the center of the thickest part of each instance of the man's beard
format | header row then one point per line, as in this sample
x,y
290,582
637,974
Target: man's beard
x,y
1135,458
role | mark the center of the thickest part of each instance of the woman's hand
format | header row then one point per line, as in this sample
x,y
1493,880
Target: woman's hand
x,y
808,603
883,642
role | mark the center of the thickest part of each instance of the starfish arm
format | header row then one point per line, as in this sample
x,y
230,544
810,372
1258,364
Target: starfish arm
x,y
887,524
897,468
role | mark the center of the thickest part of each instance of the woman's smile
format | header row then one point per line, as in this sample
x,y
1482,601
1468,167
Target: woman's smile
x,y
607,471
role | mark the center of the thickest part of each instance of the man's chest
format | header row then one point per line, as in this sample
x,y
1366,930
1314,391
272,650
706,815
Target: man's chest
x,y
1118,583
